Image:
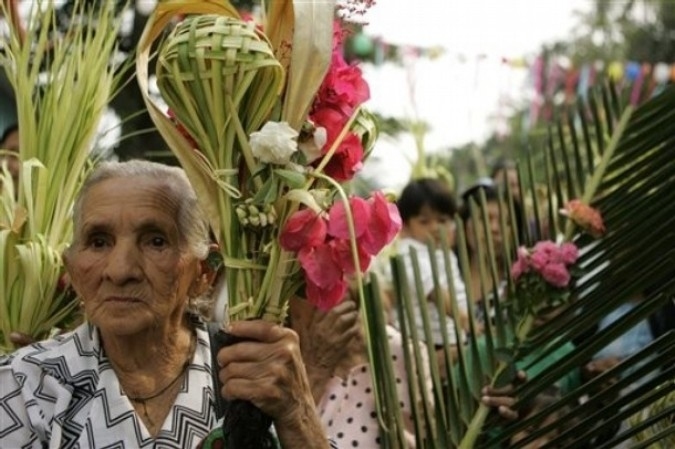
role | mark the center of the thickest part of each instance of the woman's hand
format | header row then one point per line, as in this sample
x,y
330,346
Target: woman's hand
x,y
268,371
503,399
328,340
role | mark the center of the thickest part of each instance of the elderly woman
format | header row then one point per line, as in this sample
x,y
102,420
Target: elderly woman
x,y
137,373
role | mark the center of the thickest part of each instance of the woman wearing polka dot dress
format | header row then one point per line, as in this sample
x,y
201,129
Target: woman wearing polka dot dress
x,y
336,361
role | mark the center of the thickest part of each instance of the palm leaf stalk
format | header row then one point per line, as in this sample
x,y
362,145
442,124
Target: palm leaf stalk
x,y
627,175
526,323
654,424
62,85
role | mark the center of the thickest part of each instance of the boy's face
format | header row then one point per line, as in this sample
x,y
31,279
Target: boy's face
x,y
429,224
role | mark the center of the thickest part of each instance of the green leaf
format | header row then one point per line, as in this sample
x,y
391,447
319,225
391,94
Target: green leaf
x,y
294,179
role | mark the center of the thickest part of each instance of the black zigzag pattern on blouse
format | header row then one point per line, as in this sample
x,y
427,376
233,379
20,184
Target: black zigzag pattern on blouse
x,y
187,425
5,427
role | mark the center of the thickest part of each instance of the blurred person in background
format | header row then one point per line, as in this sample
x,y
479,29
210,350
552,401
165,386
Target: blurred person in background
x,y
9,151
427,208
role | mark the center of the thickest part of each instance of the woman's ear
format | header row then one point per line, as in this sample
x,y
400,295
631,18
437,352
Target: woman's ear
x,y
209,268
74,279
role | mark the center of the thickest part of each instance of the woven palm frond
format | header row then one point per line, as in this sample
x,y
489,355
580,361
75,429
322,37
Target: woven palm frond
x,y
228,67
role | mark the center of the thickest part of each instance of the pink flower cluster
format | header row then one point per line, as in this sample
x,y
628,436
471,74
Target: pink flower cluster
x,y
548,260
342,91
322,242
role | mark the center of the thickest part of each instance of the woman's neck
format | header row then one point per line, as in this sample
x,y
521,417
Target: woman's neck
x,y
153,352
150,369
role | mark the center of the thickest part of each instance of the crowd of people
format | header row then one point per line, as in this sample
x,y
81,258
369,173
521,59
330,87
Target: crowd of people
x,y
137,371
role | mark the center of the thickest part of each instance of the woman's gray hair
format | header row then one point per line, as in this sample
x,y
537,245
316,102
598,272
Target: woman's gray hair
x,y
192,224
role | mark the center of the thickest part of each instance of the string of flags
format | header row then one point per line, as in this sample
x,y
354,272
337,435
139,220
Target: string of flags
x,y
553,78
379,51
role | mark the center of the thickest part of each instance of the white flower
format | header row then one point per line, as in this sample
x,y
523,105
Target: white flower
x,y
274,143
312,148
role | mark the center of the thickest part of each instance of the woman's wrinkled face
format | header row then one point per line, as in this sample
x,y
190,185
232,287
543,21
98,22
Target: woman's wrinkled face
x,y
429,224
129,263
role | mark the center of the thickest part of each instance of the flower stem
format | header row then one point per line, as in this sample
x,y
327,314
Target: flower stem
x,y
478,420
600,170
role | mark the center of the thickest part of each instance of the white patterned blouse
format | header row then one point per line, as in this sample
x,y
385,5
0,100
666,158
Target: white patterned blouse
x,y
63,393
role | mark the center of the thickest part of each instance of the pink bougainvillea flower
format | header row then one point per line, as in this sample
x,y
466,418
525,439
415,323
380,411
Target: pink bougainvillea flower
x,y
348,156
556,274
385,223
325,298
586,217
321,265
343,88
332,120
304,229
347,159
569,253
338,225
342,251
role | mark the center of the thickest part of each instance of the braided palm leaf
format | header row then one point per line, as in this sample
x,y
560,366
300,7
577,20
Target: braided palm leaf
x,y
223,79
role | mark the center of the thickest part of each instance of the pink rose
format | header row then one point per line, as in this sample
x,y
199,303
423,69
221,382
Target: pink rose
x,y
547,247
556,274
569,253
521,265
385,223
539,259
304,229
338,225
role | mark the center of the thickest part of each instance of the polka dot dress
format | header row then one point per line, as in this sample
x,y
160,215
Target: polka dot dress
x,y
347,408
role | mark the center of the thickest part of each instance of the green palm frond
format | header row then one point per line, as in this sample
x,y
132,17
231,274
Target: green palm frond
x,y
63,83
618,159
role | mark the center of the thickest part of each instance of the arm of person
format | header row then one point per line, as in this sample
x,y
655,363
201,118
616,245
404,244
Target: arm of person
x,y
325,342
268,371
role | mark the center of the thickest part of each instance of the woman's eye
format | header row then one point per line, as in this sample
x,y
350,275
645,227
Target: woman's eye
x,y
158,241
97,241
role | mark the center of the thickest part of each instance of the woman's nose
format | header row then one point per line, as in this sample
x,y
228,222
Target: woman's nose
x,y
123,264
